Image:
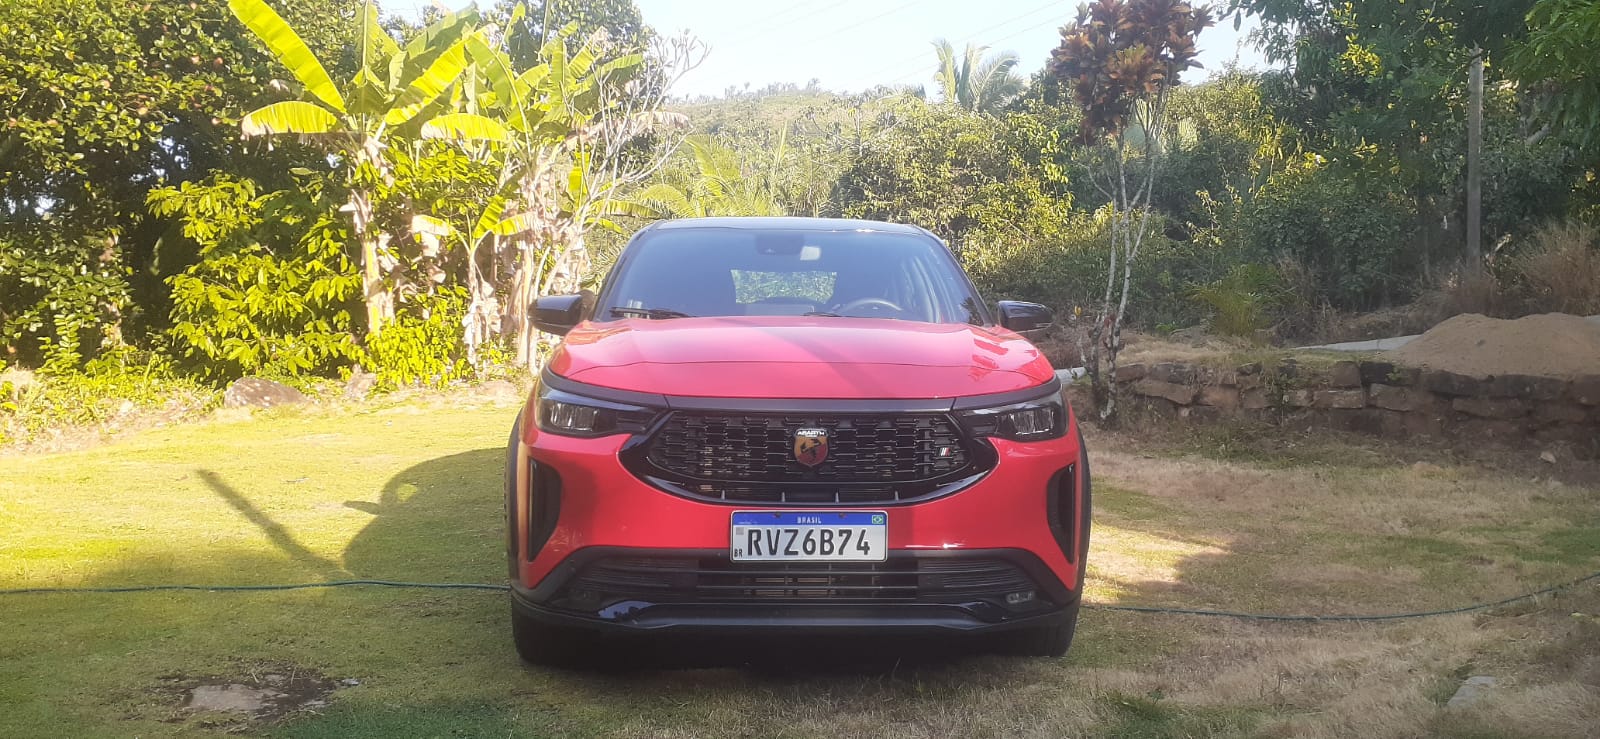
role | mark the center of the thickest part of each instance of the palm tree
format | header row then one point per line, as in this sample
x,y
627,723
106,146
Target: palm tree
x,y
395,87
974,83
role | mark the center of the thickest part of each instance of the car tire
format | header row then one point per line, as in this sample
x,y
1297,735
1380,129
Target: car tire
x,y
550,646
1044,641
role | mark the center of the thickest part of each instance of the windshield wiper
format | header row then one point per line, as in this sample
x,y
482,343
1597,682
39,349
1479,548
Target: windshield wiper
x,y
651,313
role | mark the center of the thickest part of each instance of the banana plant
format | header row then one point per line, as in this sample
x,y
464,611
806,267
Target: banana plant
x,y
558,130
396,91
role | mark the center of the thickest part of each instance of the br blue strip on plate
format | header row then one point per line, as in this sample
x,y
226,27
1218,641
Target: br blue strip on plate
x,y
809,518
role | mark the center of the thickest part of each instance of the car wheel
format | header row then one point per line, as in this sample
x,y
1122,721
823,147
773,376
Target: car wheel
x,y
1044,641
549,646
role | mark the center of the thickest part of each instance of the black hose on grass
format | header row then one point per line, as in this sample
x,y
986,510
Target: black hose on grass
x,y
1096,606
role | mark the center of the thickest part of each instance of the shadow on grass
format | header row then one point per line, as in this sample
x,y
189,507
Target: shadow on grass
x,y
274,531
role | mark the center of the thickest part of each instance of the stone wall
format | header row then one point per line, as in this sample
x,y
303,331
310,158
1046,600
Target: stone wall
x,y
1377,398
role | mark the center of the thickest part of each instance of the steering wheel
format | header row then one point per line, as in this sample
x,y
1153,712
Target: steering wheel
x,y
851,306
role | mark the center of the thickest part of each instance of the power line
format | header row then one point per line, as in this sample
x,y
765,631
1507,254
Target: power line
x,y
921,59
847,28
787,15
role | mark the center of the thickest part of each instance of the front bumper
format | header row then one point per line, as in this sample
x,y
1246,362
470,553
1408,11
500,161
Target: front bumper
x,y
626,589
1029,513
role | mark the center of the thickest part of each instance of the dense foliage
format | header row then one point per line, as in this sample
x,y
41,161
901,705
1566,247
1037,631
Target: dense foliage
x,y
390,195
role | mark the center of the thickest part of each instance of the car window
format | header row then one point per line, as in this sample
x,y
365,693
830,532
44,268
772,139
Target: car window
x,y
720,271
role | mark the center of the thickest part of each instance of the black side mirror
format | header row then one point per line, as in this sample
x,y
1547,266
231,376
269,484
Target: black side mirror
x,y
557,314
1024,318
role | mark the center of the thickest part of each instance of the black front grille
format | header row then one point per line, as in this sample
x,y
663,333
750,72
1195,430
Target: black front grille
x,y
717,580
760,448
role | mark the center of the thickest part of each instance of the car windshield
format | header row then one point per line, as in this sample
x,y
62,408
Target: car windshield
x,y
680,272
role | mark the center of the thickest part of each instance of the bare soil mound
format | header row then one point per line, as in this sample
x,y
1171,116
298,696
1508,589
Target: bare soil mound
x,y
1549,345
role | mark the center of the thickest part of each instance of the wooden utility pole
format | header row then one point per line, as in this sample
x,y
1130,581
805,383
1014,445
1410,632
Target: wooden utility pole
x,y
1474,165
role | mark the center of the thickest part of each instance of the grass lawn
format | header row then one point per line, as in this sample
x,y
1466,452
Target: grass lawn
x,y
411,491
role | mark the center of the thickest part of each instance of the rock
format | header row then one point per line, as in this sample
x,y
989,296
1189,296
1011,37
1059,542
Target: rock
x,y
1499,429
1586,390
1470,692
1299,398
1345,374
1390,397
1423,423
1559,412
1180,394
1172,372
1374,373
361,383
1548,457
1582,438
1253,368
1249,382
1288,368
1491,407
1527,387
254,392
1365,421
232,697
1228,378
1130,373
500,390
1255,400
1450,383
1345,399
1222,398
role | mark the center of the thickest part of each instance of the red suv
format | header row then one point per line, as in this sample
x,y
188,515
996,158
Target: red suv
x,y
787,425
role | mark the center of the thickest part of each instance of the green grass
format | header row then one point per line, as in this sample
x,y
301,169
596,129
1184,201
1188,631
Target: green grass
x,y
413,492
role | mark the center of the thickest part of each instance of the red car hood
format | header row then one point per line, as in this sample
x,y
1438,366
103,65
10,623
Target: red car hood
x,y
800,357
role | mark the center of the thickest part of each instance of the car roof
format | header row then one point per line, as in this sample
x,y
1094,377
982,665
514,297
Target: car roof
x,y
786,223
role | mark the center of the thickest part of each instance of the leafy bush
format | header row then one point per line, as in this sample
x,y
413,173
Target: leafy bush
x,y
1067,271
956,173
116,385
60,295
273,292
1349,227
424,345
1242,302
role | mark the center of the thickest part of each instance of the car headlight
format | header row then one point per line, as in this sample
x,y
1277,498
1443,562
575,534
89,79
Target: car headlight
x,y
569,414
1033,420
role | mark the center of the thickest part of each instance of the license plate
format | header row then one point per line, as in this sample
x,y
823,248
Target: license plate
x,y
809,536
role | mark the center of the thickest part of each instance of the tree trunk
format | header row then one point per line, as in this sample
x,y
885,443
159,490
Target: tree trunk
x,y
1474,166
380,304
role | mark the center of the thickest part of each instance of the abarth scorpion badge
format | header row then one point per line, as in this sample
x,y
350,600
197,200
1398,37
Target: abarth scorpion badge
x,y
810,446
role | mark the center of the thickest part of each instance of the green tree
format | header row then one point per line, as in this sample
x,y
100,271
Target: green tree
x,y
577,20
274,291
974,83
568,136
963,177
101,101
394,87
1557,59
1121,59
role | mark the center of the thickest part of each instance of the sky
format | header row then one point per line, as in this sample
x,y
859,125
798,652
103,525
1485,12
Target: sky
x,y
853,45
